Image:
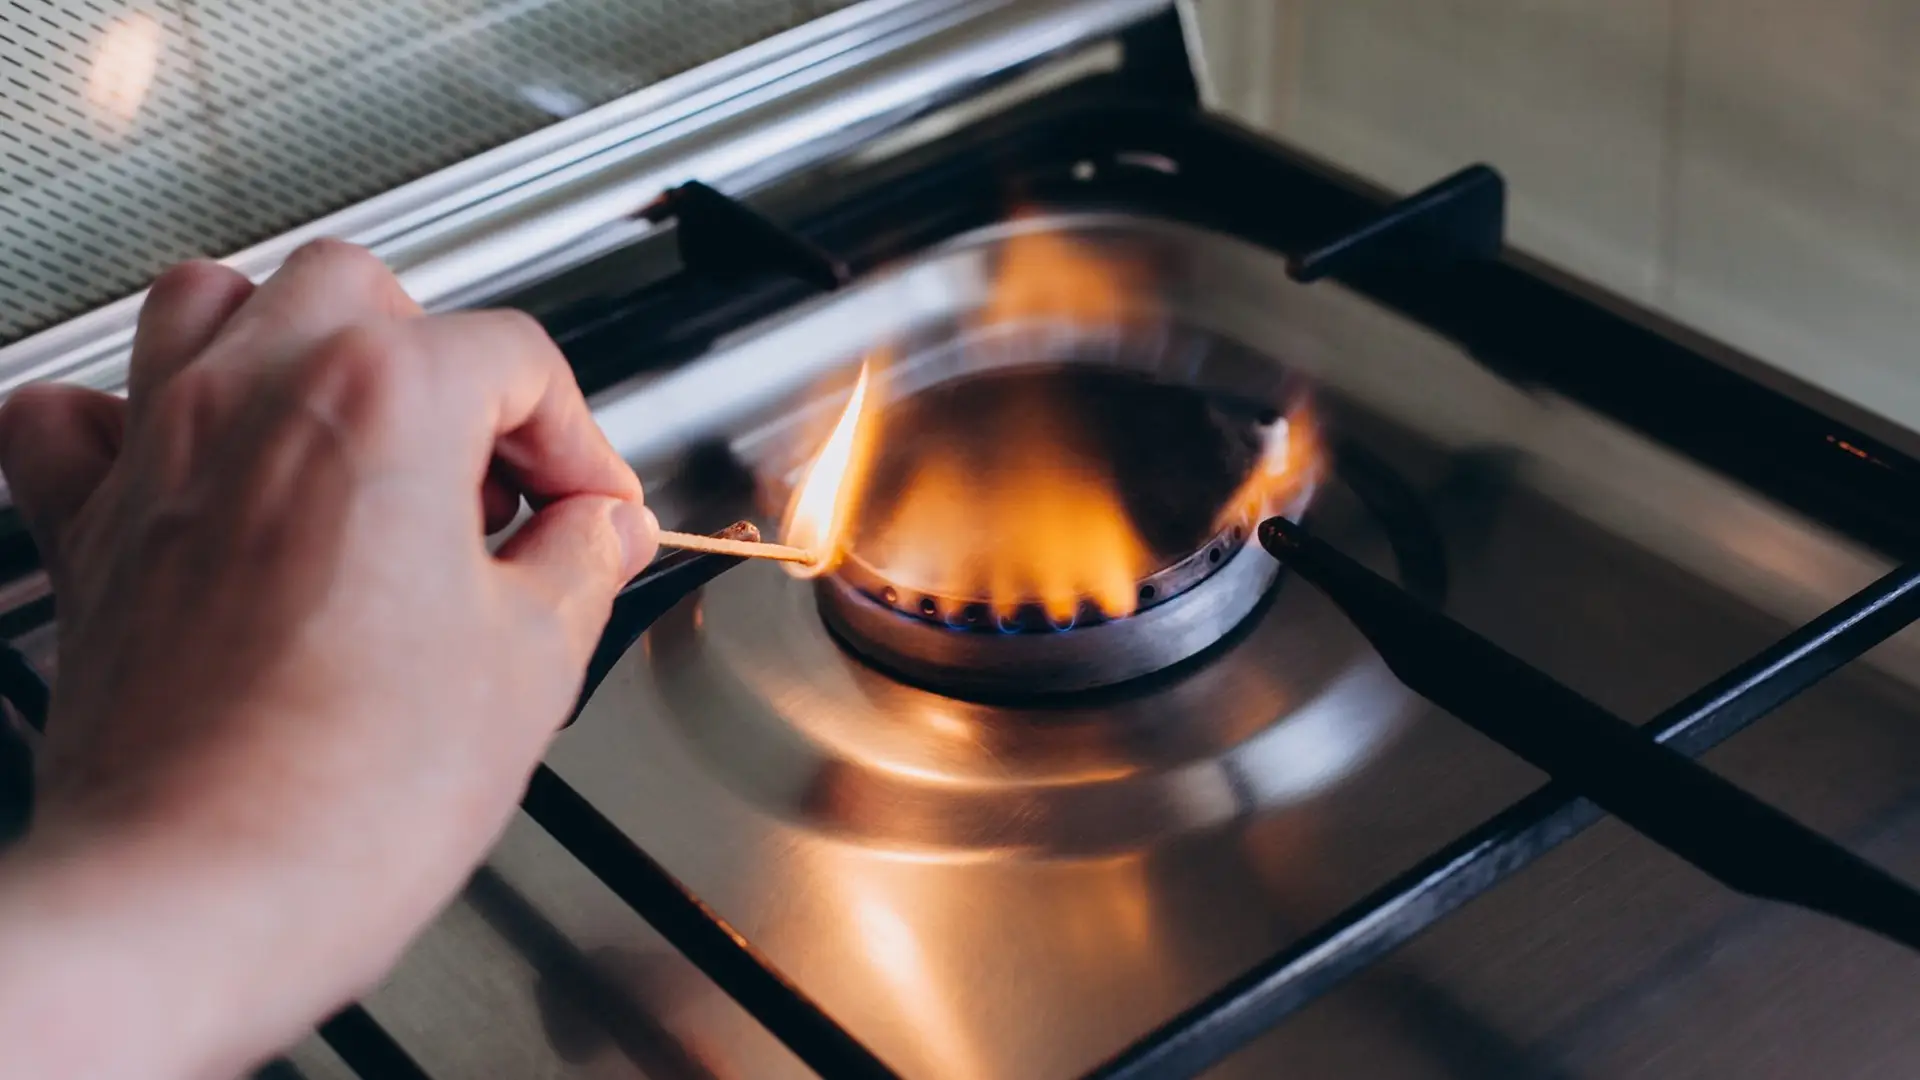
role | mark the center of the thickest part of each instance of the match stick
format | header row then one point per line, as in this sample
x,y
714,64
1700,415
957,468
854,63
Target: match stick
x,y
750,549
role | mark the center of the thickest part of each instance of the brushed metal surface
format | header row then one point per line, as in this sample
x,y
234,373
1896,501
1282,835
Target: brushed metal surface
x,y
983,892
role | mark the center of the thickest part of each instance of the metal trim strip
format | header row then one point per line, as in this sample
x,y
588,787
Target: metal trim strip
x,y
797,97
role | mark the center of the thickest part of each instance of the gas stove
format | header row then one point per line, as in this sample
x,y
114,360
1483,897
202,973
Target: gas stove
x,y
1060,771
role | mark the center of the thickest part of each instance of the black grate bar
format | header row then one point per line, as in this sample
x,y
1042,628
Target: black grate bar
x,y
698,932
1459,218
366,1047
1752,690
24,687
1724,831
1504,844
652,593
727,238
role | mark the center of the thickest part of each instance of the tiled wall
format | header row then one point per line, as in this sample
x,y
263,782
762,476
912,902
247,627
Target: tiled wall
x,y
1751,167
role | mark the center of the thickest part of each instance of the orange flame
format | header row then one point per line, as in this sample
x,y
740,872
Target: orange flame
x,y
1034,518
822,504
1048,529
1289,465
1025,510
1046,275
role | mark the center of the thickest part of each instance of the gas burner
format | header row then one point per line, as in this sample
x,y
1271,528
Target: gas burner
x,y
1059,528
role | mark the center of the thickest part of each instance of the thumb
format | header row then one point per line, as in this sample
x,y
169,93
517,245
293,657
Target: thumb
x,y
56,445
578,551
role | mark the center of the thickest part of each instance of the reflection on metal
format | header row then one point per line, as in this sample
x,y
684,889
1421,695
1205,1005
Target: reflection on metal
x,y
1109,864
1073,658
123,68
783,716
1626,484
902,965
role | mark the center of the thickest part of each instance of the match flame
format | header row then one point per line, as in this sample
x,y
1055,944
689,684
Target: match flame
x,y
822,504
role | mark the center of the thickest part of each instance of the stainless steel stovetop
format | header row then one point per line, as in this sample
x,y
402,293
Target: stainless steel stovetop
x,y
984,890
987,891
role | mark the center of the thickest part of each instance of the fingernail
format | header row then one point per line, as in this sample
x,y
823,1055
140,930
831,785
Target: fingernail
x,y
639,531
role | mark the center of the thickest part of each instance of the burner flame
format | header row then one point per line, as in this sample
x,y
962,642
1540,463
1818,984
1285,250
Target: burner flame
x,y
1049,530
1045,275
1021,512
1290,463
1035,518
822,505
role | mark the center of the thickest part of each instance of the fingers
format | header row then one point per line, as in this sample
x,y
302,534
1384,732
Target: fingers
x,y
497,370
56,445
184,310
483,406
324,287
511,406
577,552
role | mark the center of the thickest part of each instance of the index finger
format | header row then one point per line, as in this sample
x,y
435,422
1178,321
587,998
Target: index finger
x,y
514,401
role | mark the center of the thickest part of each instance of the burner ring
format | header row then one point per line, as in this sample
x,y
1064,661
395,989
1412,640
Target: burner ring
x,y
975,615
1084,657
1198,601
1175,453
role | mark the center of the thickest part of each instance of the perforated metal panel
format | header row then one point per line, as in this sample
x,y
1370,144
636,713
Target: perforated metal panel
x,y
133,135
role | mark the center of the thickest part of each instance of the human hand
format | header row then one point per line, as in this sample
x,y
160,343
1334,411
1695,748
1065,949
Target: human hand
x,y
298,697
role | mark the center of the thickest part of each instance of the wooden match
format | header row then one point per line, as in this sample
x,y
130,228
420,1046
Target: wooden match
x,y
750,549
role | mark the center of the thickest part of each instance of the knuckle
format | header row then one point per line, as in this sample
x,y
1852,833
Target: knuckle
x,y
180,398
519,323
39,407
22,409
188,279
359,375
526,336
332,251
346,264
35,400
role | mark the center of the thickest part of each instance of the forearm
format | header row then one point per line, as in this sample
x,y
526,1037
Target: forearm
x,y
133,957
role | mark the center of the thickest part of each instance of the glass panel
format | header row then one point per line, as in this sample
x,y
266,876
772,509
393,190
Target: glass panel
x,y
133,135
